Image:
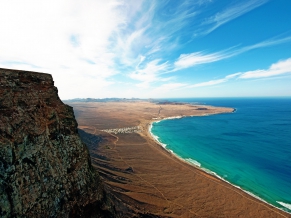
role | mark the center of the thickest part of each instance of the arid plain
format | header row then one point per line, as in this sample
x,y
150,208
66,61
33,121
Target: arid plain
x,y
146,177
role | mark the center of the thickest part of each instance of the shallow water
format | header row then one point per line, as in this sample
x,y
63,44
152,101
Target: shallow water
x,y
250,148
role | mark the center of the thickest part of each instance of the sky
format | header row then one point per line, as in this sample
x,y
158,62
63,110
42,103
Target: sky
x,y
151,48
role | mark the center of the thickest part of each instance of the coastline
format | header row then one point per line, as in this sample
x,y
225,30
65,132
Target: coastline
x,y
197,165
151,179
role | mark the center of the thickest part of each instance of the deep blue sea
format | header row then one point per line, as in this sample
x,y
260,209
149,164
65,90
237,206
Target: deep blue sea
x,y
250,148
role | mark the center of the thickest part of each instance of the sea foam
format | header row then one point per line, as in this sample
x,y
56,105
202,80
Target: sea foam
x,y
197,164
194,162
285,204
156,138
212,137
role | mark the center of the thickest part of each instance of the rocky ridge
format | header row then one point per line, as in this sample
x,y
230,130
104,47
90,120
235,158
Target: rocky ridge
x,y
45,169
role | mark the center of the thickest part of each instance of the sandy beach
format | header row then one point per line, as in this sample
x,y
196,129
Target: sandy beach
x,y
142,174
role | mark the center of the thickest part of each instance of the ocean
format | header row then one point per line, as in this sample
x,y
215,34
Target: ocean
x,y
250,148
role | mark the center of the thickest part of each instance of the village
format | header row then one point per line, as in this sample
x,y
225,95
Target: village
x,y
134,129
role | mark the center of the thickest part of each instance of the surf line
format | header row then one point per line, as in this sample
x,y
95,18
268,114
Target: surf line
x,y
197,165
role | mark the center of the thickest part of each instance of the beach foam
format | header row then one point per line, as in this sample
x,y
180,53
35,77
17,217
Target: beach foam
x,y
171,118
285,204
196,163
216,175
156,138
225,133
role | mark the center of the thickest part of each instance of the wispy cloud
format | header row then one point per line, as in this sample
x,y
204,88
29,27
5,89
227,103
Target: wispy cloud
x,y
282,67
229,14
92,44
60,37
149,73
154,71
266,43
196,58
150,29
279,68
215,82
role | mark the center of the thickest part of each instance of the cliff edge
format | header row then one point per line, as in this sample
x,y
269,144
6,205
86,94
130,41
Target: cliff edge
x,y
45,169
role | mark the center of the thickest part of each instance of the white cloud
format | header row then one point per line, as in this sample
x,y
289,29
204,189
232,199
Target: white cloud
x,y
279,68
267,43
196,58
231,76
231,13
209,83
149,73
215,82
60,37
73,85
150,31
84,44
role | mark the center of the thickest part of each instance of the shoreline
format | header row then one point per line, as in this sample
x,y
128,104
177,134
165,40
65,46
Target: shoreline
x,y
197,165
152,179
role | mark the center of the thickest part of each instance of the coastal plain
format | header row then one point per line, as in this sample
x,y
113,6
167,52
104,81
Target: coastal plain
x,y
144,176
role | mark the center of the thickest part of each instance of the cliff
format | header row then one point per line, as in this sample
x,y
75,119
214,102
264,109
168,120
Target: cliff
x,y
45,169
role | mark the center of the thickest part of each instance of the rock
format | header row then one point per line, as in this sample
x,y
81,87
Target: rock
x,y
45,169
129,169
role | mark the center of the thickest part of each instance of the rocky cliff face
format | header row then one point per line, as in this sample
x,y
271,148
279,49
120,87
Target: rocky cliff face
x,y
45,169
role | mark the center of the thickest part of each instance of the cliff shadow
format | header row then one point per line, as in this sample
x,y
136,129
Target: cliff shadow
x,y
92,142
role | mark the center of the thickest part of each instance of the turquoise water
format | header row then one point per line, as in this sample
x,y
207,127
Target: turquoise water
x,y
250,148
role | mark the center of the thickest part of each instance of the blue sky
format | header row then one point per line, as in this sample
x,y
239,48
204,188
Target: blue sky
x,y
151,48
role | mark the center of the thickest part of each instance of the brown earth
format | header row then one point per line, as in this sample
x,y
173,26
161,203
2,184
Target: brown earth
x,y
150,180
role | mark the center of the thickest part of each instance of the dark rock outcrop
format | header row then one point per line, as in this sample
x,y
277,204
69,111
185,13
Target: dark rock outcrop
x,y
45,169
